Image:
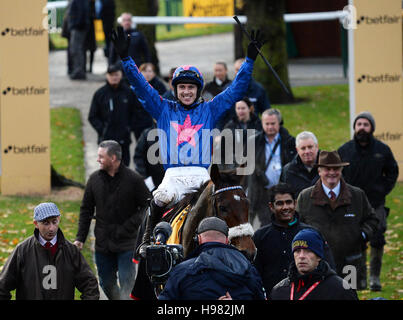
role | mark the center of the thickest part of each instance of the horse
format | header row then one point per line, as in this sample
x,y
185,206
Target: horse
x,y
223,197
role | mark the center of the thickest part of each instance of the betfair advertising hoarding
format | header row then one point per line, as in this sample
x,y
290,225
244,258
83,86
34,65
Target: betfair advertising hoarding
x,y
377,65
24,98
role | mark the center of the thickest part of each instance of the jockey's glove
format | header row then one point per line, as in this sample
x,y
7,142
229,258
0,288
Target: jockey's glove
x,y
120,42
255,44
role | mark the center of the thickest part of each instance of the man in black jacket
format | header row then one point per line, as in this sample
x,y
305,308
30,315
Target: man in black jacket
x,y
112,109
301,173
310,277
374,169
274,148
219,82
78,26
138,47
273,241
214,270
119,196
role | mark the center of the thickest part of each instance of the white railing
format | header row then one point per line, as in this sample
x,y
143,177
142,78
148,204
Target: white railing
x,y
288,17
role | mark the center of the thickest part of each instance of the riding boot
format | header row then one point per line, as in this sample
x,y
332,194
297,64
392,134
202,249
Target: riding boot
x,y
375,269
154,215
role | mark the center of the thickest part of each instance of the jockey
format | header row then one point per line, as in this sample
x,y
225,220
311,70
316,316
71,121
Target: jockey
x,y
185,125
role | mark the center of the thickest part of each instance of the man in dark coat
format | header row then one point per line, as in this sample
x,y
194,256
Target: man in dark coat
x,y
219,82
310,277
273,241
374,169
119,196
113,107
46,266
274,148
78,25
107,15
215,270
138,46
340,211
256,94
300,173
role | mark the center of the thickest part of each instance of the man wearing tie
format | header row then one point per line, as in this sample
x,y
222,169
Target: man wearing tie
x,y
46,266
340,211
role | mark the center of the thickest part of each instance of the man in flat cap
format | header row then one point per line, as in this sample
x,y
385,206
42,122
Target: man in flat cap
x,y
46,266
374,169
341,212
214,270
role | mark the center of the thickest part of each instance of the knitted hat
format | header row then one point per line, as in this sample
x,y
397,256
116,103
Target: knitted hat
x,y
308,239
213,223
365,115
45,210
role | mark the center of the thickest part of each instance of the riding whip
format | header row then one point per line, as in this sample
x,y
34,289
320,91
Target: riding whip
x,y
264,59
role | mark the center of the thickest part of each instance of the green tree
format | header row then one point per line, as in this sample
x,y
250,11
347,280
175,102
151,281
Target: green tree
x,y
142,8
267,15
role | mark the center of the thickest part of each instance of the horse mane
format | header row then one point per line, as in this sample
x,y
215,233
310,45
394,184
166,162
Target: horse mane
x,y
192,196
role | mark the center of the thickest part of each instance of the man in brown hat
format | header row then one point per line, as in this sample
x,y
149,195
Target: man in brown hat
x,y
341,212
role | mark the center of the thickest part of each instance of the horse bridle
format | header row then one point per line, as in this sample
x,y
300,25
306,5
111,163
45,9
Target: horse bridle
x,y
243,230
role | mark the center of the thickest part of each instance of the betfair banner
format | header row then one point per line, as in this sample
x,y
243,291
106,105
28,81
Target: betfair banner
x,y
24,98
207,8
377,80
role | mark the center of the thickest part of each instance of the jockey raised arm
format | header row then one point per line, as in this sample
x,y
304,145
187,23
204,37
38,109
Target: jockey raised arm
x,y
185,125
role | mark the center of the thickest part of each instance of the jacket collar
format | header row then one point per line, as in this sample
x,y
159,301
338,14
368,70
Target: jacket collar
x,y
294,222
319,197
60,237
321,272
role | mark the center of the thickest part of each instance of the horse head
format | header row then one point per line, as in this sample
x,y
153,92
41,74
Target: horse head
x,y
229,202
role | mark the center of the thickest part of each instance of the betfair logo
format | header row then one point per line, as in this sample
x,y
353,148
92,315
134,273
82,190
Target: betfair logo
x,y
377,20
23,32
25,91
28,149
380,78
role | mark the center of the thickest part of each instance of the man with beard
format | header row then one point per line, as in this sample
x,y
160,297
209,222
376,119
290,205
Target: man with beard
x,y
374,169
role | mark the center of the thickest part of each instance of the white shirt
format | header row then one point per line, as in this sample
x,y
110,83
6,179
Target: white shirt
x,y
336,190
43,241
273,170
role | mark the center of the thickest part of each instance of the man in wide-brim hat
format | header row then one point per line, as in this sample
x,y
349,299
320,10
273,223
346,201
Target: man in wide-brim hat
x,y
340,211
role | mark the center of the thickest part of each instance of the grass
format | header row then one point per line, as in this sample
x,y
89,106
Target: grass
x,y
67,145
325,112
67,157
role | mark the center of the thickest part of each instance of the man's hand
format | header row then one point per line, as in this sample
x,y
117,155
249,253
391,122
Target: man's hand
x,y
78,244
255,44
120,42
226,297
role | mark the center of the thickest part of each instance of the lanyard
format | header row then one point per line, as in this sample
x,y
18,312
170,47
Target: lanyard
x,y
306,293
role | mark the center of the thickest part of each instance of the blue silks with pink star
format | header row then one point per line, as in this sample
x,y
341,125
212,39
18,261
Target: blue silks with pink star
x,y
186,135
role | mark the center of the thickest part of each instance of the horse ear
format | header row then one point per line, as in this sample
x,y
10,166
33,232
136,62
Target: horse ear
x,y
215,173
